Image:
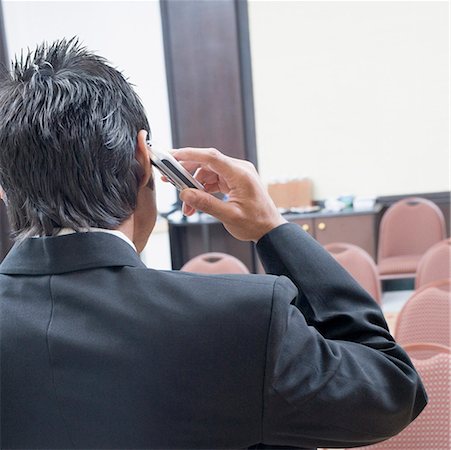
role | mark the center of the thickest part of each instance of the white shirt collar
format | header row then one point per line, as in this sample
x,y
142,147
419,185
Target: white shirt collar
x,y
117,233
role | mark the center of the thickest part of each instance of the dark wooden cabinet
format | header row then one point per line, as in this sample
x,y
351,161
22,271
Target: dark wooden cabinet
x,y
354,227
202,233
306,224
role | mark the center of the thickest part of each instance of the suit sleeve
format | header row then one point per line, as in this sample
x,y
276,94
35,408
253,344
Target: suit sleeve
x,y
334,374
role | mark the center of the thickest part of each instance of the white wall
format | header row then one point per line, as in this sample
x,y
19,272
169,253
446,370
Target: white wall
x,y
353,94
128,34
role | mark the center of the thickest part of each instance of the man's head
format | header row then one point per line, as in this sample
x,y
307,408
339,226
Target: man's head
x,y
69,145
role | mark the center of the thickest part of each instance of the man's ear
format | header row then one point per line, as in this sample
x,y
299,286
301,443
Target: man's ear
x,y
143,157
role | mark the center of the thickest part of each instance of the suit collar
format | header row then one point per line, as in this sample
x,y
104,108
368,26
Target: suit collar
x,y
117,233
69,253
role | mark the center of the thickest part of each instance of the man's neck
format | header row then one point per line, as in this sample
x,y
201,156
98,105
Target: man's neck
x,y
127,228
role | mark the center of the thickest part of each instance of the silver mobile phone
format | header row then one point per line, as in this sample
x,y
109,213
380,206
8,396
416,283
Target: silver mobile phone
x,y
173,170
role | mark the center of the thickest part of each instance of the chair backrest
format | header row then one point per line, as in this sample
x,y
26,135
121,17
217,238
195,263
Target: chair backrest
x,y
215,263
435,264
425,350
430,430
426,316
359,264
410,227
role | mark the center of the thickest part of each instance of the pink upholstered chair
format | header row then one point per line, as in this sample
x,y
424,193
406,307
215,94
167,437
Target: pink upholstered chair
x,y
435,264
407,230
430,430
215,263
426,316
359,264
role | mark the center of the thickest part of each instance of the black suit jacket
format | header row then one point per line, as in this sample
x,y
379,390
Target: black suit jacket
x,y
97,351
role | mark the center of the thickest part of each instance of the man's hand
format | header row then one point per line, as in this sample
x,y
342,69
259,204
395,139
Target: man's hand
x,y
249,213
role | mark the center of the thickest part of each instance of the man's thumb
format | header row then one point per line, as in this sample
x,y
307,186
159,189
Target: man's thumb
x,y
204,202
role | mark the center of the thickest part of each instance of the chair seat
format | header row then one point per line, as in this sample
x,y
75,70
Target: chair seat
x,y
399,265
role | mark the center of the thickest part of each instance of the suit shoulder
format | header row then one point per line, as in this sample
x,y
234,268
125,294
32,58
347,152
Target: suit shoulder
x,y
249,287
190,277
